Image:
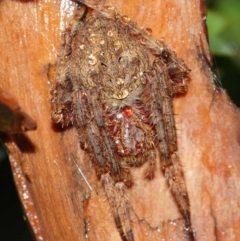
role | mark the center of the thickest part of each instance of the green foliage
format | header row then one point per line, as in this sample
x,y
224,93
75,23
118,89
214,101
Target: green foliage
x,y
224,26
223,22
217,25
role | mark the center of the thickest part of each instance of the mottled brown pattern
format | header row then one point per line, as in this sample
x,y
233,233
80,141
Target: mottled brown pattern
x,y
115,84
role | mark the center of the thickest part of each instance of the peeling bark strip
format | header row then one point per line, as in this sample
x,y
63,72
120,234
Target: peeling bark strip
x,y
115,84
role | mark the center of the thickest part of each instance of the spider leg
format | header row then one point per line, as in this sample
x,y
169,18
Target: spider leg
x,y
117,200
61,99
71,31
165,94
177,70
89,120
95,106
61,102
162,116
87,128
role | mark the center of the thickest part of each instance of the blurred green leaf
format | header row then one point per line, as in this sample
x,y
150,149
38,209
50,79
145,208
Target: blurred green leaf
x,y
223,22
224,25
216,25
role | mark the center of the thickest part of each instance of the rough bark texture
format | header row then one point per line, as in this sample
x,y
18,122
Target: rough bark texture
x,y
208,132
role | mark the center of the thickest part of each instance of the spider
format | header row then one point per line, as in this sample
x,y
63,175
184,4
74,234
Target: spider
x,y
115,84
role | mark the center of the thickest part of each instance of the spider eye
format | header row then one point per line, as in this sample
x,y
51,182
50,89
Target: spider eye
x,y
103,65
119,59
165,55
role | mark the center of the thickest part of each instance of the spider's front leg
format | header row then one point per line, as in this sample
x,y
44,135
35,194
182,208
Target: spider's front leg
x,y
163,119
177,70
61,102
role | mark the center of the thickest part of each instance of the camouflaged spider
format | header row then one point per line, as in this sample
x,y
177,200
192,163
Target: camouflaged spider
x,y
115,84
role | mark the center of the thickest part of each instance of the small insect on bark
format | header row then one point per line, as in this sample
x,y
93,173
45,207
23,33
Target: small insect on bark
x,y
115,84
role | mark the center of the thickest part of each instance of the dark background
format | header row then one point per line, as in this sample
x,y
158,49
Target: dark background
x,y
13,224
223,22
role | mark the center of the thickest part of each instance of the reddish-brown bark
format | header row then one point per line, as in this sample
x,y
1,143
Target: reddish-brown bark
x,y
207,122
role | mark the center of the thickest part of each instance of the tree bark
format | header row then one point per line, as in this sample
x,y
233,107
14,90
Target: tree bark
x,y
57,199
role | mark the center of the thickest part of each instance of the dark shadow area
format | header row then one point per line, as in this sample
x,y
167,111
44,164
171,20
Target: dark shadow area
x,y
223,24
13,224
229,77
58,128
23,143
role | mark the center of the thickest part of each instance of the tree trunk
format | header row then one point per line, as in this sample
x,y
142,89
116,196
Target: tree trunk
x,y
57,199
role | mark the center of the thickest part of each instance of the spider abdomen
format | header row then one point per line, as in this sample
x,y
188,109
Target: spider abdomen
x,y
130,130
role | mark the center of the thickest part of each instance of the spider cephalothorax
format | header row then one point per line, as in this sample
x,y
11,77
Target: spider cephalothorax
x,y
115,83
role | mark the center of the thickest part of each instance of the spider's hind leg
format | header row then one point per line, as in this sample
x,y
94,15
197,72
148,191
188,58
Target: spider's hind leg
x,y
163,119
89,121
119,206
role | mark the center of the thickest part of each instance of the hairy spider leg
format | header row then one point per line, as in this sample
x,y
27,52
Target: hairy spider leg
x,y
119,206
168,141
90,121
166,79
